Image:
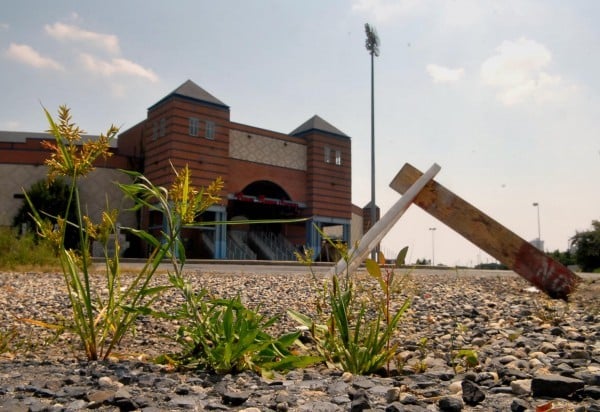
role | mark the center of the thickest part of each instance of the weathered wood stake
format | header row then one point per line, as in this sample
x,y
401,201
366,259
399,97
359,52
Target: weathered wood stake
x,y
519,255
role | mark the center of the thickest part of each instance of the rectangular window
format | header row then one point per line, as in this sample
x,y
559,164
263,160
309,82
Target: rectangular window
x,y
163,127
154,131
210,130
338,157
327,154
194,126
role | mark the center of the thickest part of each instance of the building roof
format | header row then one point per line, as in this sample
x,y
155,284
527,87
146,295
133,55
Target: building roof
x,y
191,90
317,123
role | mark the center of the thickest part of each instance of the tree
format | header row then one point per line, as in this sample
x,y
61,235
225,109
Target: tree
x,y
565,258
587,248
50,199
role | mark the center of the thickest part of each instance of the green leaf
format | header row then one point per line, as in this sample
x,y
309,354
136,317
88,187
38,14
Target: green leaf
x,y
228,324
373,268
470,357
292,362
154,290
401,258
300,318
145,236
288,339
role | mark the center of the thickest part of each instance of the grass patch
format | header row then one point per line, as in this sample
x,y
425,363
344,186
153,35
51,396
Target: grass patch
x,y
24,253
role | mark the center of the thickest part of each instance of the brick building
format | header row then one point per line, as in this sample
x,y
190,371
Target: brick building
x,y
267,175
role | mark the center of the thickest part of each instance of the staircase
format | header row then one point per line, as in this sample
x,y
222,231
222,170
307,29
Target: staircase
x,y
237,246
272,246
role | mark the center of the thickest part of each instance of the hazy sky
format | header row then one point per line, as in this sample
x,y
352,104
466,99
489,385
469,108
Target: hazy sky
x,y
503,95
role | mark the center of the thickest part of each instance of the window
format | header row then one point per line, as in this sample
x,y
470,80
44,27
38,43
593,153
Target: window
x,y
163,127
210,130
327,154
154,131
194,126
338,157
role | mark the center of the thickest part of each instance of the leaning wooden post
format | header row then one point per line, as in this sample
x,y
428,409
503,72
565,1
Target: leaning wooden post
x,y
383,226
544,272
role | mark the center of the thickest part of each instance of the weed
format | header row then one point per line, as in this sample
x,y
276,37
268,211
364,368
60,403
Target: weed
x,y
465,359
99,320
421,366
346,335
7,339
550,311
225,336
461,358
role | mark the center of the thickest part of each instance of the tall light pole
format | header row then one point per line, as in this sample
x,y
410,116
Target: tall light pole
x,y
432,229
539,242
372,45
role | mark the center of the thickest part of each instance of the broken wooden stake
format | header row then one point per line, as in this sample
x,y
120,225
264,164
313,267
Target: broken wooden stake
x,y
370,239
519,255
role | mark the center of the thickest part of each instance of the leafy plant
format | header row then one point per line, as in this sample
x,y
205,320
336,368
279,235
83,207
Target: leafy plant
x,y
224,336
421,366
347,335
465,358
462,358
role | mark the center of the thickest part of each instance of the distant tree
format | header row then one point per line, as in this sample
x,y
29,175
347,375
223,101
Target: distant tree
x,y
566,258
423,261
50,199
587,248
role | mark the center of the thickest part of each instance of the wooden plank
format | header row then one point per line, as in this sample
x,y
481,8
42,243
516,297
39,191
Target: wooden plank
x,y
519,255
378,231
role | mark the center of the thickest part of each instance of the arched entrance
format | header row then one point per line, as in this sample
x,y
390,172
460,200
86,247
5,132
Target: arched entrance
x,y
265,201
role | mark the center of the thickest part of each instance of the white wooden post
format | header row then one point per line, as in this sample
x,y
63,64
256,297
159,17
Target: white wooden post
x,y
382,227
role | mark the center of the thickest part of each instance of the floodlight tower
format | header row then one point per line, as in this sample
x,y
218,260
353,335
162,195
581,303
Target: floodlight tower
x,y
372,45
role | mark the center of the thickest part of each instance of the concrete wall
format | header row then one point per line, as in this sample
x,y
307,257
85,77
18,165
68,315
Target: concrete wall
x,y
95,189
13,179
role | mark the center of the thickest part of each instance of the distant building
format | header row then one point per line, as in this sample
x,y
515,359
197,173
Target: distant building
x,y
538,243
268,175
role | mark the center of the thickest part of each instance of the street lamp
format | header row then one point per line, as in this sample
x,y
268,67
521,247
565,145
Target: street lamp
x,y
372,45
432,229
539,242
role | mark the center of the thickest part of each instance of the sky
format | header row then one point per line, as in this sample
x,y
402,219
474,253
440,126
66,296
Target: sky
x,y
503,95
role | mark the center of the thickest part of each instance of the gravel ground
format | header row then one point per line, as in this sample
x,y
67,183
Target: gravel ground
x,y
531,350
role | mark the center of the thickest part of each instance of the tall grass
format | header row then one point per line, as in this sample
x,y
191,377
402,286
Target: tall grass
x,y
22,253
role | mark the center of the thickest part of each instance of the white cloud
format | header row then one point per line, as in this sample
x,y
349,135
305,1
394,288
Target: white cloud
x,y
4,26
27,55
516,71
61,31
384,10
116,66
441,74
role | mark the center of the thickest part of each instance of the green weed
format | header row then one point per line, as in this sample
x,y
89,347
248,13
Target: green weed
x,y
351,333
224,336
100,320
